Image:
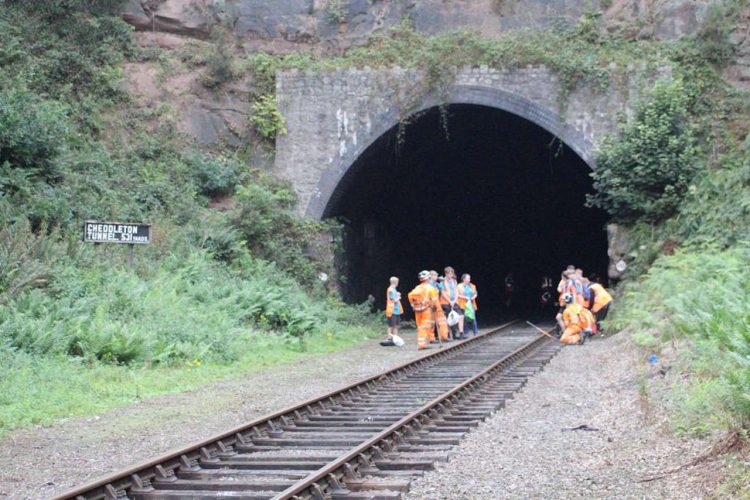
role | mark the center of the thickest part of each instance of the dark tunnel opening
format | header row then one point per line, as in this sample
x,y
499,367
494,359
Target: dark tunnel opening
x,y
493,195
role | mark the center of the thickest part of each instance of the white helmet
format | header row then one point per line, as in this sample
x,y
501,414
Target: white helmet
x,y
424,275
568,298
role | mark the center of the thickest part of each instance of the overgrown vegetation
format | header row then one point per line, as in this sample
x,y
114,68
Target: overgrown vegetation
x,y
266,118
215,289
644,173
336,11
698,304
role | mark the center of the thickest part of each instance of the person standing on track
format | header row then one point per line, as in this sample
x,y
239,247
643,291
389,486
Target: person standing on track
x,y
467,300
449,301
393,307
424,301
440,321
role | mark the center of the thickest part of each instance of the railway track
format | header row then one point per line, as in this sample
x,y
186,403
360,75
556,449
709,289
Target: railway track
x,y
366,440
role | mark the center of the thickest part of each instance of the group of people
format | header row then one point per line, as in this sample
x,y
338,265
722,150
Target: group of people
x,y
444,309
583,303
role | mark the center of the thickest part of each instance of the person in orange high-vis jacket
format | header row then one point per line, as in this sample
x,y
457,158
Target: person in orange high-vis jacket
x,y
423,299
578,324
393,307
441,323
600,300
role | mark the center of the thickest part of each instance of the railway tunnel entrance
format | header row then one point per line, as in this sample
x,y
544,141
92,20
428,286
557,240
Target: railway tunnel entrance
x,y
478,188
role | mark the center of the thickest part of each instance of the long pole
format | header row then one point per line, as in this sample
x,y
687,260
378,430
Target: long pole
x,y
540,330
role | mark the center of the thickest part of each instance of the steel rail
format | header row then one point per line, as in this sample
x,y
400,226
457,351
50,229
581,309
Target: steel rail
x,y
162,467
332,473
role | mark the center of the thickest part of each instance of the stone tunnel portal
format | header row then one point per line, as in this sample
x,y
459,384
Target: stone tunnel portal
x,y
480,189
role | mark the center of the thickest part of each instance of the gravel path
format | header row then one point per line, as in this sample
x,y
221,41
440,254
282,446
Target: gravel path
x,y
523,451
39,462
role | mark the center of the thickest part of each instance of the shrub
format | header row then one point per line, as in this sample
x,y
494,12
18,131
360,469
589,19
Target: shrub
x,y
273,231
215,176
336,11
33,132
220,59
266,117
644,173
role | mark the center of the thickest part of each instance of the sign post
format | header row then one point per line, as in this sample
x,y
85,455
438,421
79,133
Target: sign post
x,y
126,233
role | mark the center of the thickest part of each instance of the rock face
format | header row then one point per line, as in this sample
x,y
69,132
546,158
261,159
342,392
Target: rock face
x,y
338,24
618,246
739,73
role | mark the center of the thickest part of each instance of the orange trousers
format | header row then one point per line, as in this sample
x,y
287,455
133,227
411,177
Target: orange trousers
x,y
425,327
442,324
571,335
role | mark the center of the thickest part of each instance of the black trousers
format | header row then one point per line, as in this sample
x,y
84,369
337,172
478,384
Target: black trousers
x,y
601,314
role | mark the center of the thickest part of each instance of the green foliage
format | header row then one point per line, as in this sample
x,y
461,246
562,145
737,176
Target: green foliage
x,y
215,176
337,11
190,307
40,390
32,133
266,117
701,299
713,35
264,217
220,59
27,259
645,172
716,211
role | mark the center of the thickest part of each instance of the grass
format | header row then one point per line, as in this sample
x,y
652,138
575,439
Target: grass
x,y
37,390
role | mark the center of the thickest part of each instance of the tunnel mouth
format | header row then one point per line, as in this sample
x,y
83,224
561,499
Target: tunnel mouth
x,y
473,187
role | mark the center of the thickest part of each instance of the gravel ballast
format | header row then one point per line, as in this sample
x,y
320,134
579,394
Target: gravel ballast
x,y
529,450
39,462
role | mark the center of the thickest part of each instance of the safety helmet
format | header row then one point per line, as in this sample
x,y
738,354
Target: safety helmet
x,y
424,275
568,298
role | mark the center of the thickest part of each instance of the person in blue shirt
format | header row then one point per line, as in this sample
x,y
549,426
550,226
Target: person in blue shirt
x,y
393,308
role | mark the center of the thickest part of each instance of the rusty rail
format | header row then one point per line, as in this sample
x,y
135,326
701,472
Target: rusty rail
x,y
137,478
330,478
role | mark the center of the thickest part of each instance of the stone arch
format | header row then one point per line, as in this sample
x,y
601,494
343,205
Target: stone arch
x,y
504,100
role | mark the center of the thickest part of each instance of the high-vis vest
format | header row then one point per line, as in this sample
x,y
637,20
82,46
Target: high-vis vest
x,y
445,293
390,303
575,316
462,300
601,297
422,297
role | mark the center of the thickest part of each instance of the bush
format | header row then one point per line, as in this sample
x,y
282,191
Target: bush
x,y
266,117
645,173
265,218
220,59
215,176
33,132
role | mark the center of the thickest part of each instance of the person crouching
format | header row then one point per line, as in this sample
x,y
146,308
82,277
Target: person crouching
x,y
576,322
